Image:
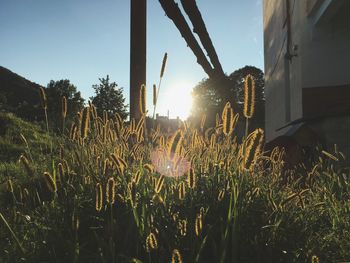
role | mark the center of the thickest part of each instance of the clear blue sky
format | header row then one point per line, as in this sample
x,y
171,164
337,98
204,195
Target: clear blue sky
x,y
83,40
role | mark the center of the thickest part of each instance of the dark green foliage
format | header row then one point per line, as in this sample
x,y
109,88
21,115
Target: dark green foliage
x,y
207,100
210,96
11,142
54,92
110,98
19,137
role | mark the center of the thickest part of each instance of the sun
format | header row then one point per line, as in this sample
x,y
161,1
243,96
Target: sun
x,y
176,99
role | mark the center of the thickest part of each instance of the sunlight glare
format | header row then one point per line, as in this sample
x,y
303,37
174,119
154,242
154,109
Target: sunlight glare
x,y
177,99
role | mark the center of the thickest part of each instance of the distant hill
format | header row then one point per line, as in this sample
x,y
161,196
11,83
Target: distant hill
x,y
19,95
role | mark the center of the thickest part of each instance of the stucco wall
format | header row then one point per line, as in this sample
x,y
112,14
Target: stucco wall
x,y
326,47
320,41
283,104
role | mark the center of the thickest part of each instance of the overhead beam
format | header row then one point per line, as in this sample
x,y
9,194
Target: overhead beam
x,y
174,13
192,10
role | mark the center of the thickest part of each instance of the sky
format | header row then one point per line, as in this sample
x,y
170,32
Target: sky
x,y
84,40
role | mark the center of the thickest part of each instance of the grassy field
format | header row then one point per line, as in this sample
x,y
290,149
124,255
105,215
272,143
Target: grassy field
x,y
109,191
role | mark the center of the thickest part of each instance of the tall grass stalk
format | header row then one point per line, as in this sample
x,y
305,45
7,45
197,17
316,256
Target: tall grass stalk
x,y
165,58
12,233
44,105
64,112
249,100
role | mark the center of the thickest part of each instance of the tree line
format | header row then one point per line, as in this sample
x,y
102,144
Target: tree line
x,y
21,97
108,97
209,98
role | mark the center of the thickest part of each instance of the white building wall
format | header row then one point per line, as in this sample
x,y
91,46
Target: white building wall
x,y
282,76
320,41
326,41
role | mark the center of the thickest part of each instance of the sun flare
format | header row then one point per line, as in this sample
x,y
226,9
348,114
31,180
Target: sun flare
x,y
177,99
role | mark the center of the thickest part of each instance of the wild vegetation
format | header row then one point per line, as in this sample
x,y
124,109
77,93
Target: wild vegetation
x,y
112,191
211,95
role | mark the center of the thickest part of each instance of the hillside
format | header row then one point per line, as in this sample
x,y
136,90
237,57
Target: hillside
x,y
12,144
18,95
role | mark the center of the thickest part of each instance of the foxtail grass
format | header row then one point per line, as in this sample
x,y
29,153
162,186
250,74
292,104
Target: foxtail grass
x,y
249,100
165,58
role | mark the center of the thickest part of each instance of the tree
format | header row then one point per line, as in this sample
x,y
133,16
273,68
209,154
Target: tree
x,y
206,100
54,92
210,96
109,98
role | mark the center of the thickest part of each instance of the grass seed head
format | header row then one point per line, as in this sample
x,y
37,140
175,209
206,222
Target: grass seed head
x,y
159,184
142,99
182,191
174,145
64,107
73,132
330,156
191,179
229,119
119,162
221,194
154,94
151,242
60,169
198,225
176,256
24,139
315,259
136,177
139,135
251,148
9,186
24,161
98,197
105,116
50,183
110,191
226,118
249,96
43,98
132,192
149,167
165,58
182,226
85,123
